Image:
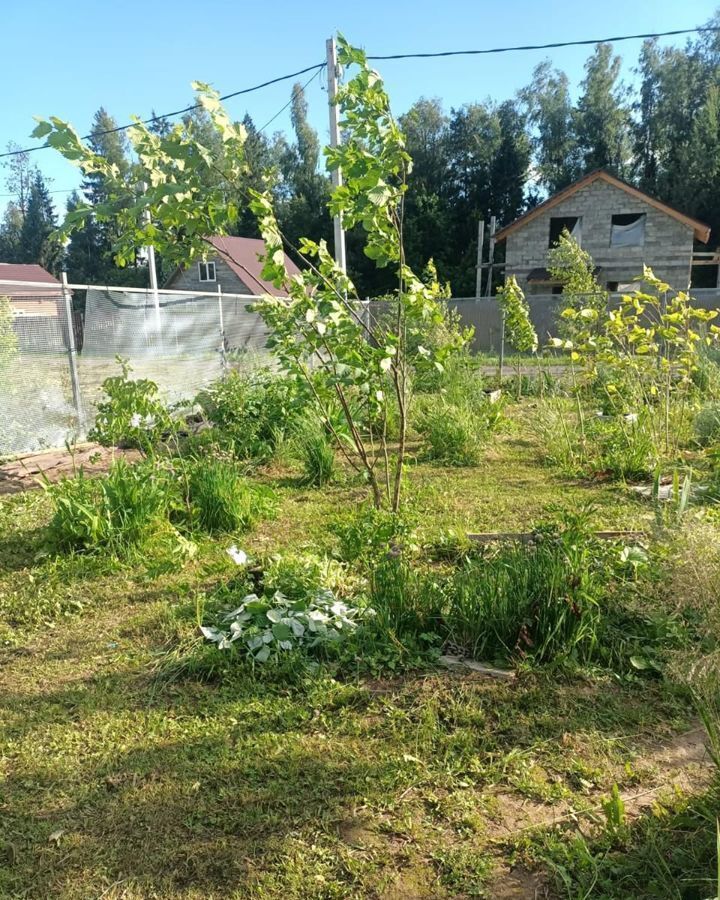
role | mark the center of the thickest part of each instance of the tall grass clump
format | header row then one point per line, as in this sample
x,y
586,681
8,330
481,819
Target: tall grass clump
x,y
538,600
313,447
115,512
452,434
221,499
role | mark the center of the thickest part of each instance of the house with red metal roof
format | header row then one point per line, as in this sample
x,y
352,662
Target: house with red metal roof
x,y
42,297
234,267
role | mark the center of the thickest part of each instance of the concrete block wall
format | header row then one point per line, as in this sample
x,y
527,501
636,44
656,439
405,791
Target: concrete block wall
x,y
189,279
667,249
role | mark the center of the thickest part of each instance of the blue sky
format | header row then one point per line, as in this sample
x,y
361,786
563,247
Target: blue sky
x,y
67,59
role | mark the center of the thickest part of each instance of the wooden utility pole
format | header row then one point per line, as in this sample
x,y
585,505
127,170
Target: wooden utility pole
x,y
479,266
336,174
491,258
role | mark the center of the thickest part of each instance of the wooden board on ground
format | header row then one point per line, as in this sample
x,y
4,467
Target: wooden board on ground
x,y
26,472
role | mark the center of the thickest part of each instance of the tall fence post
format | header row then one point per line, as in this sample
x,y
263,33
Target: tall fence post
x,y
72,355
223,358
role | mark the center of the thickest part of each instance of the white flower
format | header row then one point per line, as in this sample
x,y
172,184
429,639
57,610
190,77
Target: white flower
x,y
150,420
631,418
239,557
135,420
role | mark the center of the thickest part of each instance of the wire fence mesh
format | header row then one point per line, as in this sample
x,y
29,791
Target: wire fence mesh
x,y
49,394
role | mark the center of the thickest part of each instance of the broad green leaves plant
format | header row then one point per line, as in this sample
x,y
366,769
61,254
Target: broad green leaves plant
x,y
265,627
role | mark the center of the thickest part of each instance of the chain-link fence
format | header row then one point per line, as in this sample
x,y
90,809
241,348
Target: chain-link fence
x,y
51,372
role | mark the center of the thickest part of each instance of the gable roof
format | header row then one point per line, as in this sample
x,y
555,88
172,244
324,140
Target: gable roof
x,y
26,272
700,229
241,255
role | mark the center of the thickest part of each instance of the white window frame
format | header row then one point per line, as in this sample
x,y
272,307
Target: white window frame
x,y
208,267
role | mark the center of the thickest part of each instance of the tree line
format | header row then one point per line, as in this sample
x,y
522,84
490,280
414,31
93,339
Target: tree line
x,y
481,159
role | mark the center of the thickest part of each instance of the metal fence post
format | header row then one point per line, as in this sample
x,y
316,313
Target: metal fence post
x,y
223,358
72,355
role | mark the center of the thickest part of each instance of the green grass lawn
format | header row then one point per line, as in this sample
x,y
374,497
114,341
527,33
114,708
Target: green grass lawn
x,y
118,781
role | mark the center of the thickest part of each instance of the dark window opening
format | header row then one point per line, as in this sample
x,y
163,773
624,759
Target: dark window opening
x,y
558,224
557,289
627,230
613,286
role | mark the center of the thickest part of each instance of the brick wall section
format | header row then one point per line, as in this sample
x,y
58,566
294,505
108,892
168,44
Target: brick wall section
x,y
667,249
189,279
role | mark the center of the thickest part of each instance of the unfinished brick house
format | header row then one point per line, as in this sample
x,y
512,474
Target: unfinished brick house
x,y
620,226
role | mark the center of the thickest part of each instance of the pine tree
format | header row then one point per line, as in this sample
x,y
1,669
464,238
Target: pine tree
x,y
36,244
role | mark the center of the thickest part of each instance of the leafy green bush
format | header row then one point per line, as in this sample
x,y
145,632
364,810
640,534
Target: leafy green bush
x,y
132,415
368,533
252,414
116,512
298,575
222,500
313,446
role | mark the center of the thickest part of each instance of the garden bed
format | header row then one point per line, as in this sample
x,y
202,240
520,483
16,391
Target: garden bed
x,y
118,778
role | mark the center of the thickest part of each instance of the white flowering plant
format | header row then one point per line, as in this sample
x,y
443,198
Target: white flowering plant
x,y
131,414
265,627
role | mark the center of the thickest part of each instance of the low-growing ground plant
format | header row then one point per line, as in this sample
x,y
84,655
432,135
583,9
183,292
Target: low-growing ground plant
x,y
265,627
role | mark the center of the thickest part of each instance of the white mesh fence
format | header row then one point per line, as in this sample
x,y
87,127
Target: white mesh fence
x,y
49,394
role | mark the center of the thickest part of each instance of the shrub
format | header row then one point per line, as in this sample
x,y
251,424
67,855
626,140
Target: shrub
x,y
369,533
314,448
133,415
222,500
252,413
117,512
300,575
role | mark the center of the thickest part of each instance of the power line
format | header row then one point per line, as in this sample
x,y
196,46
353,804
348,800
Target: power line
x,y
556,44
292,97
177,112
445,53
57,191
